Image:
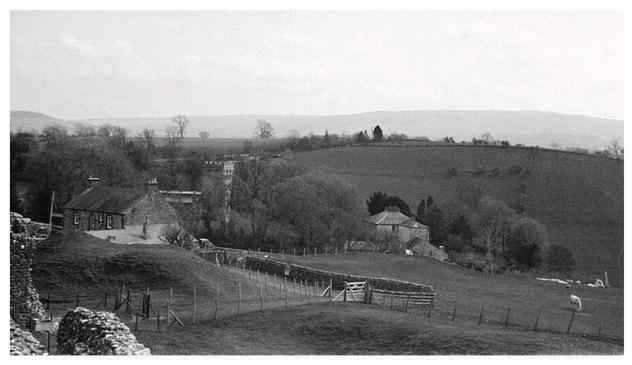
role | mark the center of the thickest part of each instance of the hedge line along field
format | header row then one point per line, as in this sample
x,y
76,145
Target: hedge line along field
x,y
353,328
469,290
579,198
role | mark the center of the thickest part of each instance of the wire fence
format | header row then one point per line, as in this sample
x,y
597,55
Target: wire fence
x,y
255,291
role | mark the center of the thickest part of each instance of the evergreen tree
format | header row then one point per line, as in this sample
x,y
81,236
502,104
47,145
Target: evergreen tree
x,y
377,134
376,202
429,202
421,210
326,140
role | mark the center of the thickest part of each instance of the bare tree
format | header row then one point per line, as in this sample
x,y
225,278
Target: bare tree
x,y
147,137
263,129
204,134
615,147
54,134
181,121
171,133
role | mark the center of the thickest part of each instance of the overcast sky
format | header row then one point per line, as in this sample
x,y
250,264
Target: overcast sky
x,y
145,64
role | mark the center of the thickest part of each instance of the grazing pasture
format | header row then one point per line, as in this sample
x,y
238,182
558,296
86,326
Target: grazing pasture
x,y
578,198
353,328
469,290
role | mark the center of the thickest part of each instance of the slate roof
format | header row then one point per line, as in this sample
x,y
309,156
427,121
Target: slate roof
x,y
387,217
105,199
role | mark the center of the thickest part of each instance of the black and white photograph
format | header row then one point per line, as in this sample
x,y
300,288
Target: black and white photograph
x,y
316,181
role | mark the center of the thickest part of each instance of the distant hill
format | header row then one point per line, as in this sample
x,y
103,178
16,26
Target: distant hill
x,y
579,198
25,120
525,127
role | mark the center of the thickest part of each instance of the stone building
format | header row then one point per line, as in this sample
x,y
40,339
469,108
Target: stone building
x,y
101,208
392,221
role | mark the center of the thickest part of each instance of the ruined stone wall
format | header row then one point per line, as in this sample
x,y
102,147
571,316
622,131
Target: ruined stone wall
x,y
22,342
25,306
84,332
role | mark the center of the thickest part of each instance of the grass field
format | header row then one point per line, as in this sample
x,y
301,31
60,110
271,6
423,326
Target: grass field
x,y
353,328
469,290
579,198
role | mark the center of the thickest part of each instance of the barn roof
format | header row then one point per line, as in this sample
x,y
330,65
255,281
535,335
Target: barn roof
x,y
105,199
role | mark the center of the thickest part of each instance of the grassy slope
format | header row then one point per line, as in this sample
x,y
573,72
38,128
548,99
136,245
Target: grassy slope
x,y
471,289
579,198
347,328
73,262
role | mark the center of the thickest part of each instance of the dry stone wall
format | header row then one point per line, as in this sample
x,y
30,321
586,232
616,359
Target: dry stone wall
x,y
305,273
22,342
25,307
84,332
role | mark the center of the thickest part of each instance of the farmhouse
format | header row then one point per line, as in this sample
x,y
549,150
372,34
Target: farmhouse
x,y
110,208
392,221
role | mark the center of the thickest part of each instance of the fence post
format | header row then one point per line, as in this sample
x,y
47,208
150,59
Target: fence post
x,y
294,251
453,313
480,318
170,304
315,251
48,303
507,318
238,297
158,322
336,250
303,251
257,275
331,287
537,319
249,271
136,324
294,285
345,292
570,323
128,301
430,310
105,300
265,279
274,286
77,299
285,297
307,288
261,296
194,301
392,300
217,303
406,307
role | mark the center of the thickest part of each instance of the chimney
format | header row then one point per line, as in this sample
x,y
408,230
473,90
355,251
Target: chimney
x,y
151,186
93,181
392,209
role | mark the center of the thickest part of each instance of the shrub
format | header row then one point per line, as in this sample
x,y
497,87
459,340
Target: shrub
x,y
559,259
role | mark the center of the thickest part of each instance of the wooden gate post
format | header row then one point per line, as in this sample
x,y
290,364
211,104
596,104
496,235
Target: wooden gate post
x,y
407,301
331,287
345,292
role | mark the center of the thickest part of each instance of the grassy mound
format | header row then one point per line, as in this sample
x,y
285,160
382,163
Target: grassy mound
x,y
71,261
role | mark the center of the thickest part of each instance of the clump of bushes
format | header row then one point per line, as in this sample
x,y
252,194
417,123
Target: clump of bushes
x,y
559,259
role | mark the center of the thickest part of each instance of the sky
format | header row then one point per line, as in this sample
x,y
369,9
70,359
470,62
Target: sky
x,y
154,64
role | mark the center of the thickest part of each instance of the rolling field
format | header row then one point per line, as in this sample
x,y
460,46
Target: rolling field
x,y
579,198
469,290
352,328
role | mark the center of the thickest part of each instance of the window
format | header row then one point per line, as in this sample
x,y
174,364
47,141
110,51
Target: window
x,y
393,227
108,221
76,218
100,217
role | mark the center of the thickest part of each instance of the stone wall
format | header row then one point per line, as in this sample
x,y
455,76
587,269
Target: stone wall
x,y
84,332
22,342
25,306
305,273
